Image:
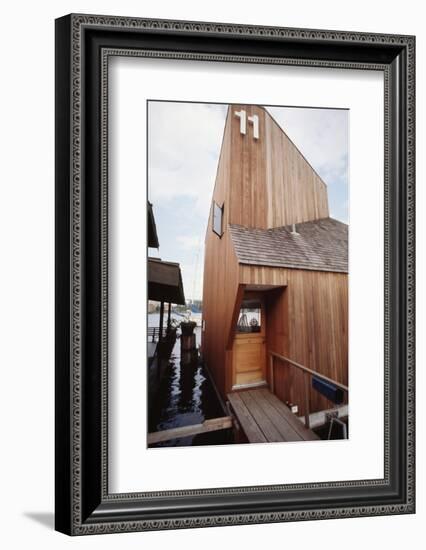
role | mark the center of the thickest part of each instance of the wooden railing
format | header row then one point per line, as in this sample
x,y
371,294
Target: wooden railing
x,y
154,333
308,373
211,425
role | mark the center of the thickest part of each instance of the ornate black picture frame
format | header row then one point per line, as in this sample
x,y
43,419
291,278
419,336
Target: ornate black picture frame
x,y
84,44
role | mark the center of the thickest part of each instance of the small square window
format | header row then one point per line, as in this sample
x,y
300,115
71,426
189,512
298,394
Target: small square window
x,y
250,318
218,219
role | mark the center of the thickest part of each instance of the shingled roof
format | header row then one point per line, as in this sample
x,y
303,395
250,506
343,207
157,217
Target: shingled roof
x,y
320,245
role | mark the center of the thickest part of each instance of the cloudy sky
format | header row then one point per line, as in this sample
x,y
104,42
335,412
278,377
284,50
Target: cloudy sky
x,y
182,170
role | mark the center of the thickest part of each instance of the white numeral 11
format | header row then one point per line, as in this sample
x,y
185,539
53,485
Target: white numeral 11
x,y
242,115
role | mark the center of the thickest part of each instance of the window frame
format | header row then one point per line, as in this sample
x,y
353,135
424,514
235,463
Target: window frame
x,y
261,322
221,208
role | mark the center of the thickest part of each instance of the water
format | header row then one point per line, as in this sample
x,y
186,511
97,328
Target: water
x,y
186,397
336,432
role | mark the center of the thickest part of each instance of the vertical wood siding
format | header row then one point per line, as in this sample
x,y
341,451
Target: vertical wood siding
x,y
307,321
220,284
271,183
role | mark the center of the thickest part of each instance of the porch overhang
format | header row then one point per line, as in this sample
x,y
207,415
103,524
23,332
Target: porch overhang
x,y
165,282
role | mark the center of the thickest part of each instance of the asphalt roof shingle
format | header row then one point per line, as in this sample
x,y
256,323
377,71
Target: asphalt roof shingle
x,y
320,245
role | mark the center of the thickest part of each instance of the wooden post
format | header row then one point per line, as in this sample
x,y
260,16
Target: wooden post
x,y
306,376
271,373
160,336
188,343
168,317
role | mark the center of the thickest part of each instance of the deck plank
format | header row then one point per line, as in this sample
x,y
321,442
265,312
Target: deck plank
x,y
269,430
278,419
264,418
251,429
305,433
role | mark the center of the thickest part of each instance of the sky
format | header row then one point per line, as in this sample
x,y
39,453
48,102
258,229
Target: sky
x,y
182,171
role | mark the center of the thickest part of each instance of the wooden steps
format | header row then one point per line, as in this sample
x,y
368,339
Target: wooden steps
x,y
264,418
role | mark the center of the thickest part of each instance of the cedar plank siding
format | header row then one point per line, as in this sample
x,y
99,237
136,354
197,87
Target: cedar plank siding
x,y
307,322
272,184
220,282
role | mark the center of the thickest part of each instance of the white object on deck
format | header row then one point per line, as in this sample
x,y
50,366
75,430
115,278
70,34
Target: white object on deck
x,y
320,418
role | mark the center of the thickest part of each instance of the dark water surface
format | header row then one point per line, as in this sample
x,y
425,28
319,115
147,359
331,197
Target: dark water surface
x,y
186,397
336,431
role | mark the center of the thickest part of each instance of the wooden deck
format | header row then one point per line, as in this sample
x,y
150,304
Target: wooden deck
x,y
264,418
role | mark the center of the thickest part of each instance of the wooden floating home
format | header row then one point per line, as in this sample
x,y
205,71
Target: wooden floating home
x,y
275,296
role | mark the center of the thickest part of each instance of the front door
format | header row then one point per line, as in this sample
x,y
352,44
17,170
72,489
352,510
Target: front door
x,y
249,350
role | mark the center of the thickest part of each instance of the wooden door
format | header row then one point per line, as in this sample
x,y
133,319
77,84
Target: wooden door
x,y
249,350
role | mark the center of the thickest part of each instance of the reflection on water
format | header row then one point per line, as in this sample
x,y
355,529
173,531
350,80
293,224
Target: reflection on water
x,y
186,397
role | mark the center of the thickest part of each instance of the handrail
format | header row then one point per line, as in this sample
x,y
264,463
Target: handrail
x,y
308,372
154,333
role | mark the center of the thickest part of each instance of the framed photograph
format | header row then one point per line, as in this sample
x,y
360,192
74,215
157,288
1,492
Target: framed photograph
x,y
234,274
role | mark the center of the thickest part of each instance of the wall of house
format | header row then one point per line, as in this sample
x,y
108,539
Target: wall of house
x,y
295,191
271,183
307,321
220,284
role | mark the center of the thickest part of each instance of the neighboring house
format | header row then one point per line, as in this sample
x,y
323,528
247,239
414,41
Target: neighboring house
x,y
164,278
276,266
164,286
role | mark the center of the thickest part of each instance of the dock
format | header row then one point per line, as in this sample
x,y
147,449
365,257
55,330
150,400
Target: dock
x,y
264,418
